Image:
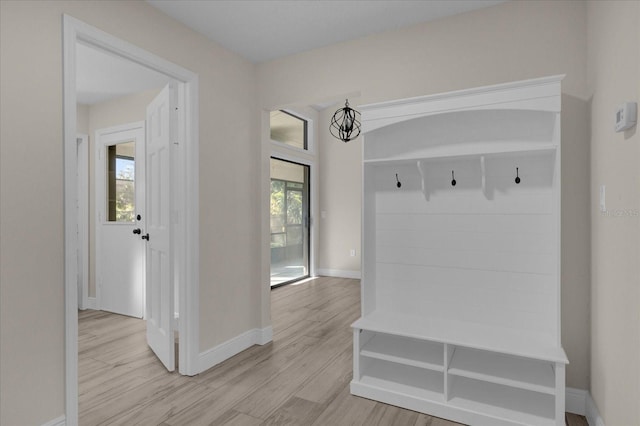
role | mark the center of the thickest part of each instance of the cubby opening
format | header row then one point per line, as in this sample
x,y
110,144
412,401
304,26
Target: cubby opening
x,y
503,402
405,379
407,351
508,370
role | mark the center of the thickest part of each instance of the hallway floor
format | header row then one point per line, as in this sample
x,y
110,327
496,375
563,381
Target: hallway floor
x,y
301,378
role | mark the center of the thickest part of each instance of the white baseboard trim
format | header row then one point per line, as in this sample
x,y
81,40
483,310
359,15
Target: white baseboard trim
x,y
59,421
91,303
338,273
579,401
575,401
226,350
592,414
264,336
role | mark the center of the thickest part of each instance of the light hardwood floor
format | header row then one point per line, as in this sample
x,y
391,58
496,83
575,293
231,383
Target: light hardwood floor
x,y
301,378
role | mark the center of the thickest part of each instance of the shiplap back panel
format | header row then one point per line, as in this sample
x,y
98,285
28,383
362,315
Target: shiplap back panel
x,y
464,252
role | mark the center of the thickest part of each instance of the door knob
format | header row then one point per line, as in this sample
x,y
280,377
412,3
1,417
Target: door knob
x,y
145,237
137,231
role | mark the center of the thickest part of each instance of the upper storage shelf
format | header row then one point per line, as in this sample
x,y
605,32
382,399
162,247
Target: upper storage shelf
x,y
466,133
495,120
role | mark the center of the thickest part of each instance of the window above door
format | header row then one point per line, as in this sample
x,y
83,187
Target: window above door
x,y
288,129
121,182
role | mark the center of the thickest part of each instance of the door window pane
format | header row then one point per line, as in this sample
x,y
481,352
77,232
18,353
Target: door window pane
x,y
288,128
121,182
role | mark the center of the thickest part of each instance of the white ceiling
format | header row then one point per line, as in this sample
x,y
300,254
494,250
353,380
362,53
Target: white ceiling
x,y
101,76
259,31
265,30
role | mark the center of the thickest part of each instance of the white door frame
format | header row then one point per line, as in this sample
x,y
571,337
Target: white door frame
x,y
83,219
100,196
185,205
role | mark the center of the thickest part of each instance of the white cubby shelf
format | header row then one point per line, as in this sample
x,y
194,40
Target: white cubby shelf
x,y
461,280
450,153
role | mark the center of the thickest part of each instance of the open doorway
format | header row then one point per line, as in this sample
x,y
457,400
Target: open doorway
x,y
293,193
289,222
173,142
113,98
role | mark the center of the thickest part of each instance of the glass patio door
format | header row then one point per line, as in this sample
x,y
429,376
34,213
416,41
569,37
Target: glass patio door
x,y
289,218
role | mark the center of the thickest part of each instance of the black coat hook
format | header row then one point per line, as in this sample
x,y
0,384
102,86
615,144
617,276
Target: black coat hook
x,y
398,184
517,177
453,179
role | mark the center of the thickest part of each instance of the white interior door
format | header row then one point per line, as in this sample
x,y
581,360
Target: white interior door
x,y
159,266
120,254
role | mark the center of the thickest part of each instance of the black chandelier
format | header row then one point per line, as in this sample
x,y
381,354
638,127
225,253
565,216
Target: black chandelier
x,y
345,123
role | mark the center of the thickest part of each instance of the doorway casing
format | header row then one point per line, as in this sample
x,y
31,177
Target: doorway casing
x,y
184,204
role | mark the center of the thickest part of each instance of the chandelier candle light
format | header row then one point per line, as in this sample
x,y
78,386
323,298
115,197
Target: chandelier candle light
x,y
345,123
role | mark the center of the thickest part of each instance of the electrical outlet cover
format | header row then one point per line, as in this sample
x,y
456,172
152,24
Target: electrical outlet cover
x,y
626,116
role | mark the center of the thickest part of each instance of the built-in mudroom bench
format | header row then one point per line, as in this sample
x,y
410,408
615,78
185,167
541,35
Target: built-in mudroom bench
x,y
461,255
